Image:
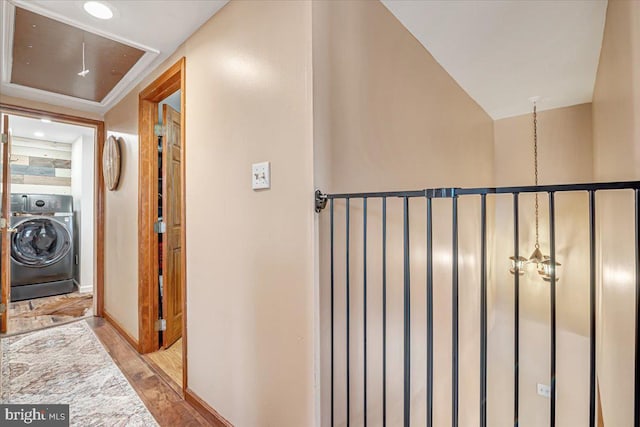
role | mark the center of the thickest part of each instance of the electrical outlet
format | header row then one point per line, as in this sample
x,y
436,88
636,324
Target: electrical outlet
x,y
544,390
261,176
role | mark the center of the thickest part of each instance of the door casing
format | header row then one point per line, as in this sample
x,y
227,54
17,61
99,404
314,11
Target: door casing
x,y
98,190
5,264
167,83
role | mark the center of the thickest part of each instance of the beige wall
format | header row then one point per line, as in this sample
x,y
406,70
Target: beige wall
x,y
397,111
565,155
616,133
616,99
121,221
387,116
249,254
565,147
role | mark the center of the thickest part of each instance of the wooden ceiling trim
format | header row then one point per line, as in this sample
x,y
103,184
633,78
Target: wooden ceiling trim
x,y
47,55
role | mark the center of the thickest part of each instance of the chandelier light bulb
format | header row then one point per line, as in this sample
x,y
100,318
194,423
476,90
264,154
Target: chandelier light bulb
x,y
517,265
547,268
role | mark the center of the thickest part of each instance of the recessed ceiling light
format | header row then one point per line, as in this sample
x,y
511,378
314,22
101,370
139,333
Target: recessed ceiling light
x,y
45,120
98,10
38,134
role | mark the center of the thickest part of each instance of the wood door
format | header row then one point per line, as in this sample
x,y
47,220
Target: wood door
x,y
172,217
5,227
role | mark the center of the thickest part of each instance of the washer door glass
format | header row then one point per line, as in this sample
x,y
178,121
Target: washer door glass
x,y
39,242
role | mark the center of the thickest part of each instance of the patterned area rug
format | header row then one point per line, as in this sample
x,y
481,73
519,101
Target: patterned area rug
x,y
68,364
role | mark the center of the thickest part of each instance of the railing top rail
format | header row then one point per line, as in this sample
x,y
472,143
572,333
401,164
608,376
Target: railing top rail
x,y
452,192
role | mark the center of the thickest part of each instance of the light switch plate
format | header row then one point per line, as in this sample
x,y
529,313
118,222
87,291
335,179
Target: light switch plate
x,y
261,176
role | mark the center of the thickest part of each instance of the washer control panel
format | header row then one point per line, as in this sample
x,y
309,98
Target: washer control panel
x,y
41,203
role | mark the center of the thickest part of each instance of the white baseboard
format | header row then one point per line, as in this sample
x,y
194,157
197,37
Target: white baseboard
x,y
85,288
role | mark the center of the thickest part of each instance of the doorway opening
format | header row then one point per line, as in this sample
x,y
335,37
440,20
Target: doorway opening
x,y
52,212
162,330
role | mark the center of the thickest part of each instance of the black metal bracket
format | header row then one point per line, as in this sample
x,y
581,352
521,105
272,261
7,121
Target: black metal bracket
x,y
321,201
442,193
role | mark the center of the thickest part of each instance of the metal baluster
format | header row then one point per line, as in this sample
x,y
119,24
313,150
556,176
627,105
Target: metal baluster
x,y
592,308
636,405
483,311
516,314
364,303
552,253
454,316
429,313
384,311
348,323
332,306
407,319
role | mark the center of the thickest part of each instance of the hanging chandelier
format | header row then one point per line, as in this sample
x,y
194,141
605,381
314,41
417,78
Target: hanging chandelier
x,y
542,262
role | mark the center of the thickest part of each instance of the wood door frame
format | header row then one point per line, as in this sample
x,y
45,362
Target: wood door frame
x,y
5,266
167,83
99,188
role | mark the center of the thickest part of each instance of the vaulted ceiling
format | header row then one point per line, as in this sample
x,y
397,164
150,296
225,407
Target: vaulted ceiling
x,y
501,52
504,52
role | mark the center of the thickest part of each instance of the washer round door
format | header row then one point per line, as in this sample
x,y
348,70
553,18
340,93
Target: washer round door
x,y
39,242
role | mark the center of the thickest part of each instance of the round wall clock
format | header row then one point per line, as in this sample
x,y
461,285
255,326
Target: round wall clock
x,y
111,162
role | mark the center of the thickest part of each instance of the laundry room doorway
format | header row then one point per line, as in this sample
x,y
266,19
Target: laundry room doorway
x,y
53,219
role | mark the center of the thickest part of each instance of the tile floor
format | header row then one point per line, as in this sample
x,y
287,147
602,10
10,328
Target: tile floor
x,y
39,313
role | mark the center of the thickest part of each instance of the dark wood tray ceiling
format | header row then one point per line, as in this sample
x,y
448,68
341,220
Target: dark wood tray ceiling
x,y
47,55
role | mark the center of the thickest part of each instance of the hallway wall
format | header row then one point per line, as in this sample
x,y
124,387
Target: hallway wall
x,y
616,133
250,296
121,220
250,289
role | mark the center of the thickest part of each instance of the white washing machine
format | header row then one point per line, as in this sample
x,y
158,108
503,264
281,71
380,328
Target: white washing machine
x,y
42,252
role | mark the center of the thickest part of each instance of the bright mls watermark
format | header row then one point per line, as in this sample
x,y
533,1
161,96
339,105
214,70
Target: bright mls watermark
x,y
34,415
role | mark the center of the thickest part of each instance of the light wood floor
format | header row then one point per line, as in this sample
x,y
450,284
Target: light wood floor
x,y
39,313
170,361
